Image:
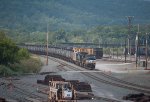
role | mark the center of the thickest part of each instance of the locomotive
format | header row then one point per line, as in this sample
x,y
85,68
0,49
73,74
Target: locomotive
x,y
84,57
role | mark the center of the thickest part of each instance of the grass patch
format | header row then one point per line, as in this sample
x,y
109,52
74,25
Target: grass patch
x,y
5,71
31,65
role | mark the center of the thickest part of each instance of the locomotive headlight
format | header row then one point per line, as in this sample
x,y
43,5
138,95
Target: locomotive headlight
x,y
90,61
87,61
94,61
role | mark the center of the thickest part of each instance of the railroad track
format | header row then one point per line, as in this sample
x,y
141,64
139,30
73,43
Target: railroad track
x,y
122,81
106,99
74,68
118,82
18,92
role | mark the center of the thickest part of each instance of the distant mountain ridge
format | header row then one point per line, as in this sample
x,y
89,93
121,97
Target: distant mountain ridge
x,y
33,15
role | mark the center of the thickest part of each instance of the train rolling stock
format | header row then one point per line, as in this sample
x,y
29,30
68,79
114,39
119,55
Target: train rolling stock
x,y
84,57
66,90
60,90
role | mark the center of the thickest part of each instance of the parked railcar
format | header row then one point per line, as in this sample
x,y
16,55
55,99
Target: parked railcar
x,y
66,90
60,90
85,57
141,51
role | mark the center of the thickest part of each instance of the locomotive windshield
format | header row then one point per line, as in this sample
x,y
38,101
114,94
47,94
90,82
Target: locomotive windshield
x,y
91,58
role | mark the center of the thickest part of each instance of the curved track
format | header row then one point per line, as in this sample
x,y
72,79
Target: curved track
x,y
61,68
115,81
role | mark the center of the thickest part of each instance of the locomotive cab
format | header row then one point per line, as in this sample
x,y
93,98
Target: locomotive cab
x,y
90,61
86,60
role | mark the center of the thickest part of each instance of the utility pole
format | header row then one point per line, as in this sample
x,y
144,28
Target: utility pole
x,y
47,46
56,41
137,45
129,34
99,42
146,51
125,50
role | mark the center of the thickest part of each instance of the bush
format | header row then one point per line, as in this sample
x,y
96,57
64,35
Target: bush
x,y
6,71
8,52
16,67
23,53
14,60
30,65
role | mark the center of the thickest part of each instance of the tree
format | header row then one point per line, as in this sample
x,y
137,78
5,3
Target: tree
x,y
8,50
2,35
23,53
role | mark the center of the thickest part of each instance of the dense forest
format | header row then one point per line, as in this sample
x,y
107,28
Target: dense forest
x,y
81,21
100,34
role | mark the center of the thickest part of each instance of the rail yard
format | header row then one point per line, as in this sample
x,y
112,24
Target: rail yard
x,y
106,85
74,51
80,74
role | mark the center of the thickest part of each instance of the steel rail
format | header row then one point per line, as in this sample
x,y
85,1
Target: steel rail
x,y
122,84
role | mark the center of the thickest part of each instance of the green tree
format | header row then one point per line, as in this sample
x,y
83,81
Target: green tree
x,y
8,50
23,53
2,36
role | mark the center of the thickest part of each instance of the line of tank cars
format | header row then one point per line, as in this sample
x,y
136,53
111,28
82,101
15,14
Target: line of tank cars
x,y
82,56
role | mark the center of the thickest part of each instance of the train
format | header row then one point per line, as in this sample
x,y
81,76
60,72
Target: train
x,y
81,56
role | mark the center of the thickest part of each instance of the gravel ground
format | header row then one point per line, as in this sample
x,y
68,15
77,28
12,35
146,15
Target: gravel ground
x,y
117,69
126,71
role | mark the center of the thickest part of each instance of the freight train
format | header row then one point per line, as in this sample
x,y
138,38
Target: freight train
x,y
84,57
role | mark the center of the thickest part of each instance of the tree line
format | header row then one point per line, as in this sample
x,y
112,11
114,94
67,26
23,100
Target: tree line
x,y
101,34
